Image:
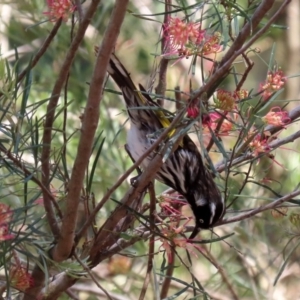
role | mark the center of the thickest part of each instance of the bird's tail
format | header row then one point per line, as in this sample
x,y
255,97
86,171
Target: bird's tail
x,y
137,105
141,108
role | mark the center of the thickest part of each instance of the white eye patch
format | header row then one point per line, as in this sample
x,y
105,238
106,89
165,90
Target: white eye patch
x,y
201,202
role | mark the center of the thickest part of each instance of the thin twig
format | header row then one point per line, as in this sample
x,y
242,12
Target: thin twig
x,y
89,125
222,273
151,242
260,209
41,52
79,9
21,166
162,74
240,45
88,270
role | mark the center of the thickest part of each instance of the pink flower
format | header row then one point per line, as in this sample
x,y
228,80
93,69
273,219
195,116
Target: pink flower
x,y
276,117
181,33
183,37
275,81
226,127
20,279
59,9
5,214
212,44
171,206
259,145
4,233
225,100
193,112
240,94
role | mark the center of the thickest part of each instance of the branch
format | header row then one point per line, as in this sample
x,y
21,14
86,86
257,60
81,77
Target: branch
x,y
237,47
38,275
221,166
89,125
293,115
151,242
260,209
163,68
51,108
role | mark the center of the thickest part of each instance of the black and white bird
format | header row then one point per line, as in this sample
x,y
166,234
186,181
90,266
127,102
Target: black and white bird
x,y
183,170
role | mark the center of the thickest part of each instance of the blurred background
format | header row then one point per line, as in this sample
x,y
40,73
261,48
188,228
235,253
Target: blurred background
x,y
253,257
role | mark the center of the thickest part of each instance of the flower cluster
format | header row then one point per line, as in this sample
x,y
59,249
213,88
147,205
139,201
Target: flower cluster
x,y
193,111
259,144
20,279
187,38
226,126
225,100
212,44
5,218
59,9
170,240
170,219
171,206
277,117
274,82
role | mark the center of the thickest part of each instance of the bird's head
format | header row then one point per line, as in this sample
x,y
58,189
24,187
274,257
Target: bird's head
x,y
207,205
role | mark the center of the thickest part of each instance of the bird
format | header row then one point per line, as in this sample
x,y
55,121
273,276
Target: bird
x,y
184,170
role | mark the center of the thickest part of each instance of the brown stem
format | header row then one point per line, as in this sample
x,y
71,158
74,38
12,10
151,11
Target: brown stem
x,y
162,74
89,124
260,209
240,45
51,108
151,242
168,277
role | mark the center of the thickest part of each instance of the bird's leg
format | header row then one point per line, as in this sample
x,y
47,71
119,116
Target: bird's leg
x,y
133,179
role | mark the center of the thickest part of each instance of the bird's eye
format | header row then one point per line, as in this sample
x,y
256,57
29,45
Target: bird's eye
x,y
201,220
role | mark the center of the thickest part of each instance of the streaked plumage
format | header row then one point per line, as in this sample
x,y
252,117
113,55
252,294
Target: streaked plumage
x,y
184,170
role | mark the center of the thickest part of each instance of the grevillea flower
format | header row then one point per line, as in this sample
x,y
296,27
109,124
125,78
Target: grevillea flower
x,y
276,117
5,218
240,94
171,206
212,44
20,279
169,240
59,9
225,100
193,112
259,145
275,81
226,126
183,37
187,38
185,244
